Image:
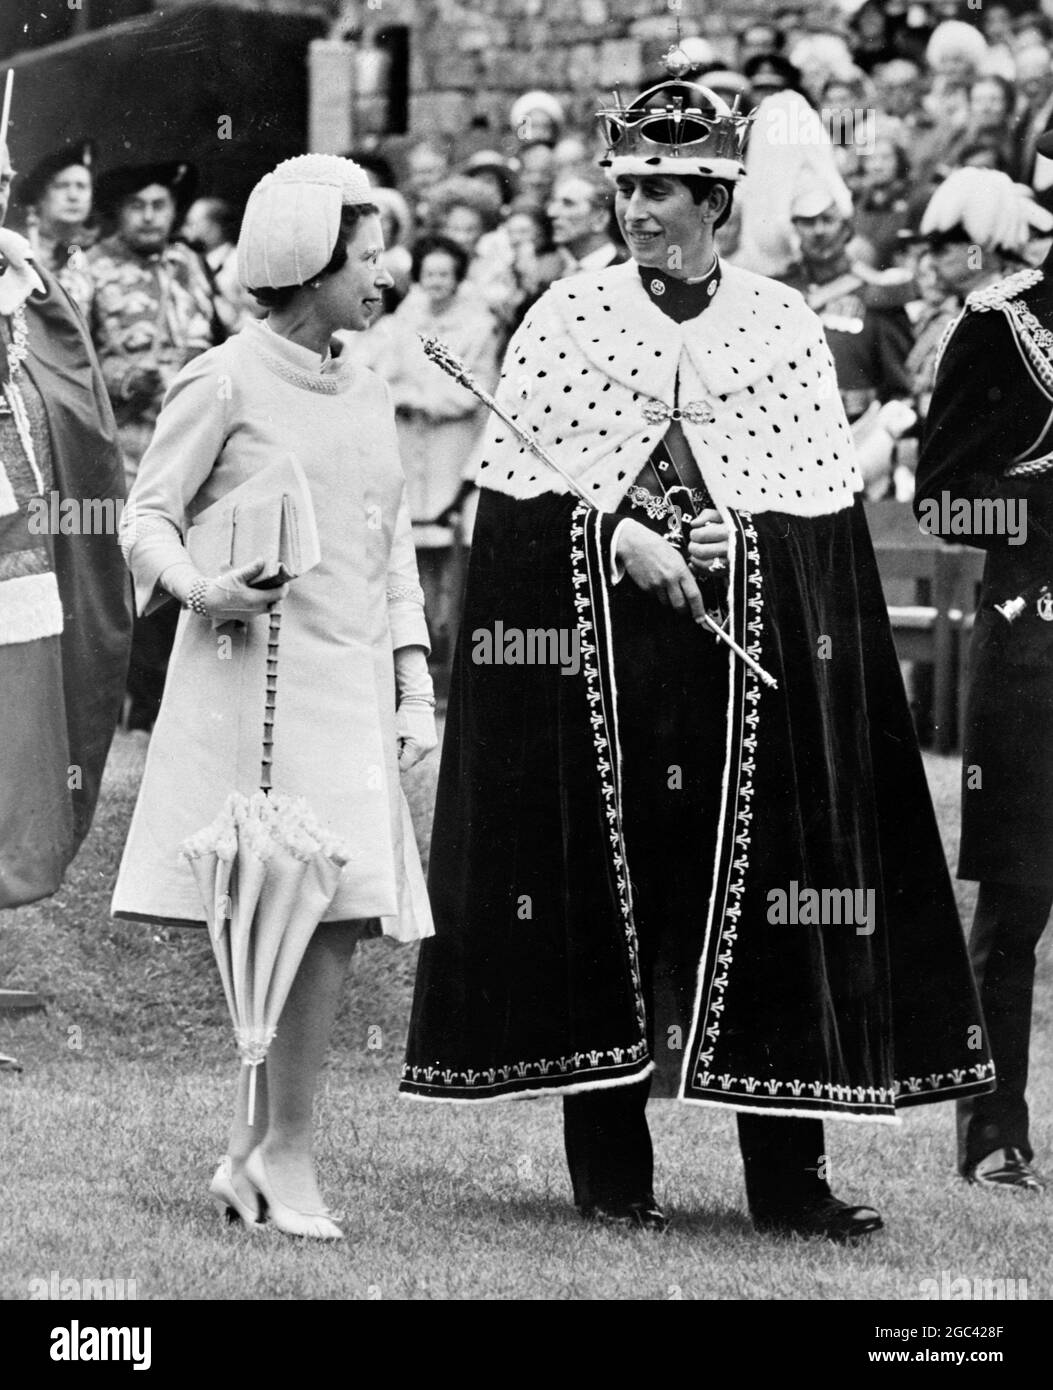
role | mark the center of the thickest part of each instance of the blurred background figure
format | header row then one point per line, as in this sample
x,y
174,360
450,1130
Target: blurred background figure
x,y
426,167
211,229
397,223
865,323
869,38
1034,80
56,195
883,205
582,215
537,171
787,141
495,172
956,52
150,313
536,261
438,421
65,617
758,40
537,116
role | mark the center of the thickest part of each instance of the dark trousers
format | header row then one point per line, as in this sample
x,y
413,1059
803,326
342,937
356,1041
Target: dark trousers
x,y
1006,929
611,1160
152,639
672,698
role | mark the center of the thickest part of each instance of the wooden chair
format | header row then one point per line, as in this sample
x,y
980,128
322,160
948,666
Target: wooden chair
x,y
930,588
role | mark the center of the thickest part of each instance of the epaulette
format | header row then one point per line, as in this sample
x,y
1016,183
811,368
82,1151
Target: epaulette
x,y
998,295
1034,340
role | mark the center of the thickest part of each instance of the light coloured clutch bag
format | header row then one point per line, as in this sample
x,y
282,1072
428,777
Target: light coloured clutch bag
x,y
270,515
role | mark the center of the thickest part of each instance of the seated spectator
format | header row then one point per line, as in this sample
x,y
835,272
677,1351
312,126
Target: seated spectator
x,y
438,421
770,73
463,209
537,171
956,52
537,116
397,223
492,170
582,213
992,106
934,151
869,39
1031,30
759,40
571,152
820,57
1034,73
931,314
847,91
898,87
536,260
996,25
427,165
883,207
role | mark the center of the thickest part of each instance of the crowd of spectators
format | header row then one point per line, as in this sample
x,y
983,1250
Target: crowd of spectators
x,y
904,97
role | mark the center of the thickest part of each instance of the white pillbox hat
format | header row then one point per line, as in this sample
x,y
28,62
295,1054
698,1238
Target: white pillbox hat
x,y
292,219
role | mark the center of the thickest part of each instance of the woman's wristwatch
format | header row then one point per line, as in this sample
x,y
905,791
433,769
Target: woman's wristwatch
x,y
195,599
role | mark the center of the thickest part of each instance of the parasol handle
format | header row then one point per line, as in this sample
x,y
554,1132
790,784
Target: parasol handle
x,y
273,632
250,1108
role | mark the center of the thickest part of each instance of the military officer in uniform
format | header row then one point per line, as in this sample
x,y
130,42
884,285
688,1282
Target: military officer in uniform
x,y
862,310
985,478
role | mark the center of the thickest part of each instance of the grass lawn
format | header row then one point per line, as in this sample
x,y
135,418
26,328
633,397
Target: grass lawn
x,y
110,1135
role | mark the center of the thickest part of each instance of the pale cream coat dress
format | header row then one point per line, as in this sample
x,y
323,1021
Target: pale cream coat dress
x,y
231,412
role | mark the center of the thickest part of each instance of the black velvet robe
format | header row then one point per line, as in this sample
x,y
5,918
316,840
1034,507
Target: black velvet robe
x,y
534,981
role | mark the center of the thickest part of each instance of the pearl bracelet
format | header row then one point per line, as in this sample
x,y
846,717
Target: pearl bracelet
x,y
195,599
417,700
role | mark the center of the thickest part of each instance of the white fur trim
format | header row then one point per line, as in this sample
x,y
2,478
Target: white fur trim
x,y
595,350
680,167
30,607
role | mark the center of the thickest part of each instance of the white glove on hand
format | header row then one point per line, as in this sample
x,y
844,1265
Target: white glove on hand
x,y
896,417
415,730
231,598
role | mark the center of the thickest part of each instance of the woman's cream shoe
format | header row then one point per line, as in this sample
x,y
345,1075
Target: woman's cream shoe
x,y
226,1199
316,1225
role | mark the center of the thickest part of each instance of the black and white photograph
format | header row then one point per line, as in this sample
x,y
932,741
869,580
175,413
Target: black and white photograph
x,y
526,667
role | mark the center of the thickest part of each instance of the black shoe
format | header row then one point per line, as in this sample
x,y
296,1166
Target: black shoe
x,y
1006,1168
826,1216
639,1216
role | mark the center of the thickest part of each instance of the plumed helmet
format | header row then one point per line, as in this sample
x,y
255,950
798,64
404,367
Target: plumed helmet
x,y
982,206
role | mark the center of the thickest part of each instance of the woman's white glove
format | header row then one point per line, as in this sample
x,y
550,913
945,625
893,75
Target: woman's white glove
x,y
896,418
231,598
415,730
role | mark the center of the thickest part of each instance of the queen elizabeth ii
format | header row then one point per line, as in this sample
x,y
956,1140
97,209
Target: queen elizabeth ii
x,y
354,703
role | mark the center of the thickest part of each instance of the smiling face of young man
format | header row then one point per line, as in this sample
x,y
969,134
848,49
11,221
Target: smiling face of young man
x,y
664,228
